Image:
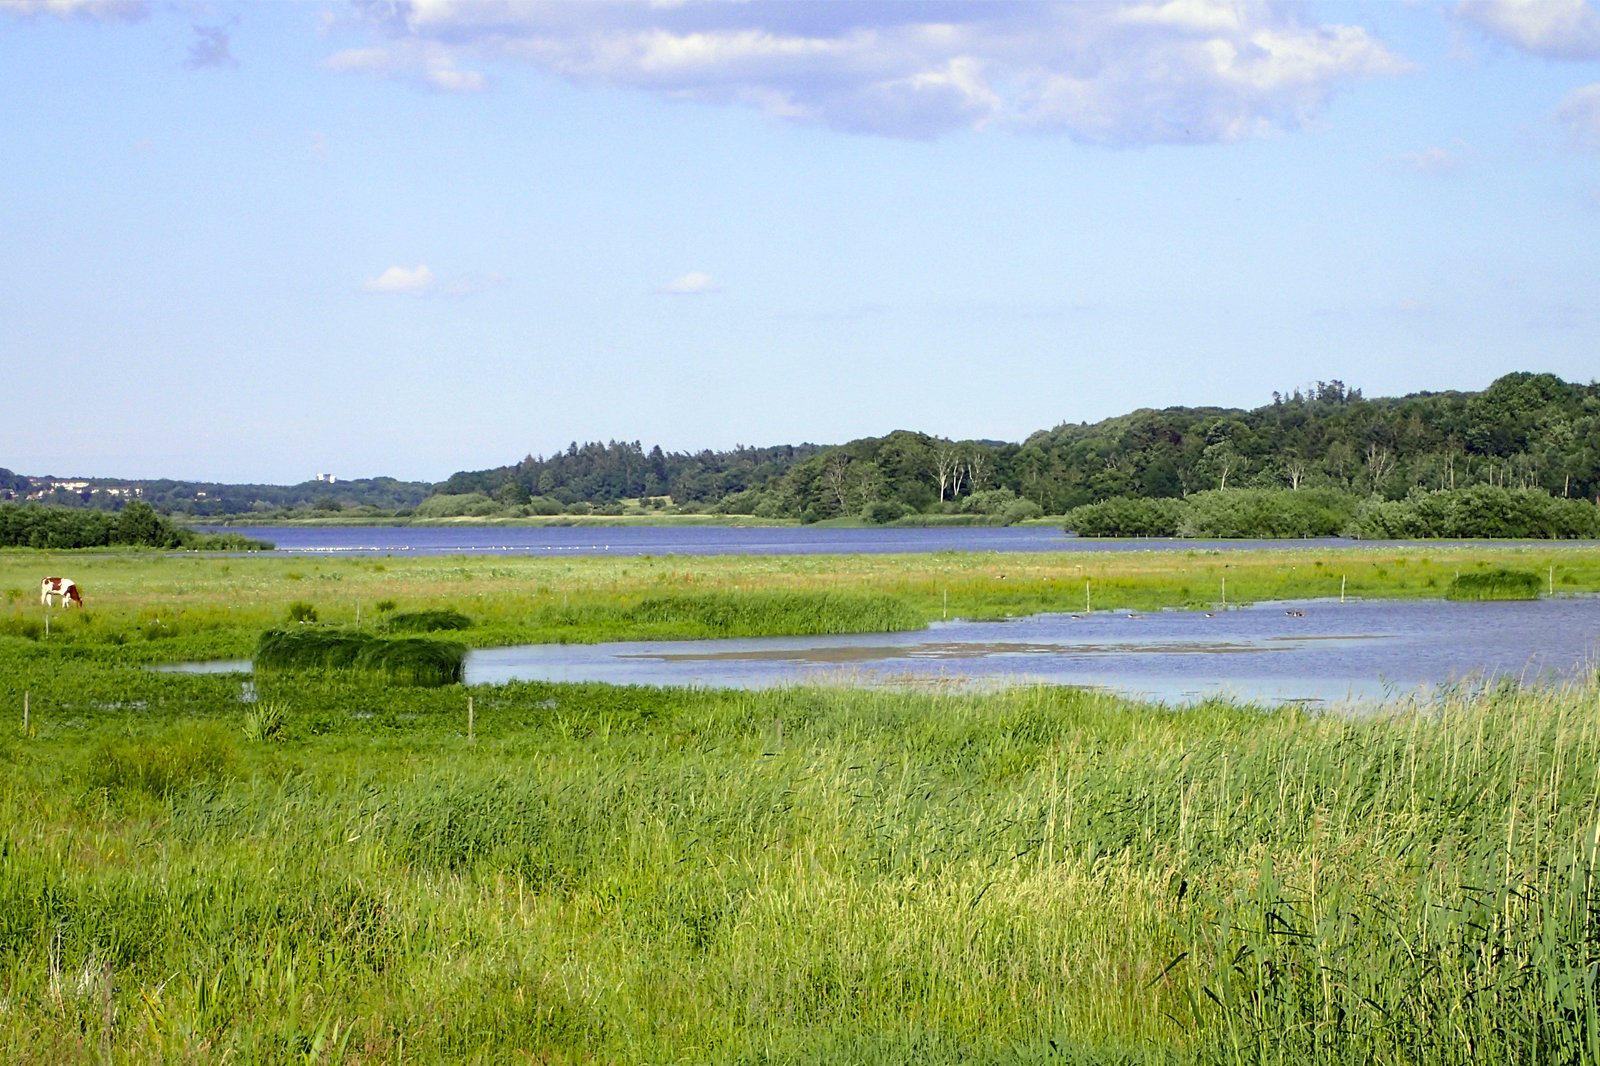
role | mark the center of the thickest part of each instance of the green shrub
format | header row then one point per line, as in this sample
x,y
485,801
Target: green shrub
x,y
1480,511
882,512
1127,516
1021,511
458,505
303,612
1274,513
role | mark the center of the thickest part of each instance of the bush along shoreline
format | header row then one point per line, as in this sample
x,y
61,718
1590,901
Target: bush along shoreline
x,y
1481,512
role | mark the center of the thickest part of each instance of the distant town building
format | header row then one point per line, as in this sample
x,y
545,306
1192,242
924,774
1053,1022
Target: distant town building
x,y
329,478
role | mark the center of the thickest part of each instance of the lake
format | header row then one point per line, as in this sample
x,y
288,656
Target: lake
x,y
725,540
1318,652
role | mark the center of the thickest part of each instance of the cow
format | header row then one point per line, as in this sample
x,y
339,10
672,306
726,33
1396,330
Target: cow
x,y
59,588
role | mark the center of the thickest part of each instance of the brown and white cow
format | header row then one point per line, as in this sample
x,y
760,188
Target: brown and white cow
x,y
59,588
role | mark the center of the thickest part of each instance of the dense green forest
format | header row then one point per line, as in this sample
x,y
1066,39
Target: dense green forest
x,y
1526,431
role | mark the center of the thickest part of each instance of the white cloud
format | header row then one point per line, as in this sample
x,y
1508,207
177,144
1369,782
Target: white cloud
x,y
1112,73
415,281
109,10
428,65
1555,29
690,284
1431,160
1579,112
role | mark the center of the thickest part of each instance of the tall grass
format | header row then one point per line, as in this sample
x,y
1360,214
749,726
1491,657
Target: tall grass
x,y
399,660
1497,584
802,875
426,621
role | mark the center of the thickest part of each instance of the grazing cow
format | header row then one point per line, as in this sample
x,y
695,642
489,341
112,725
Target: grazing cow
x,y
59,588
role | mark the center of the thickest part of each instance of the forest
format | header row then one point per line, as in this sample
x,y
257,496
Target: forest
x,y
1527,437
1525,432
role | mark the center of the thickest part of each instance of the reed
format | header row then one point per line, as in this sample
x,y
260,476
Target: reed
x,y
1497,584
399,660
426,621
802,875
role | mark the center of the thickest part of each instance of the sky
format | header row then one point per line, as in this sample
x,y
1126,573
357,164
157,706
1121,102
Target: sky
x,y
254,242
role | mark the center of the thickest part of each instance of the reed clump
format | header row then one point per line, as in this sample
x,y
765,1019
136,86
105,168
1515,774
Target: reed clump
x,y
762,612
426,621
399,660
1499,583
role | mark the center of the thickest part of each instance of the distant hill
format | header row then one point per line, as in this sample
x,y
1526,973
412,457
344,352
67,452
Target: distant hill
x,y
207,498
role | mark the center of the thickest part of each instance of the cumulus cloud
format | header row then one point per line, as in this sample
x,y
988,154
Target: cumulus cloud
x,y
108,10
1123,73
690,284
1555,29
210,48
1579,112
414,281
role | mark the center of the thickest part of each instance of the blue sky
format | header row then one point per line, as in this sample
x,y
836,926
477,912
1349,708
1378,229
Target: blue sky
x,y
258,241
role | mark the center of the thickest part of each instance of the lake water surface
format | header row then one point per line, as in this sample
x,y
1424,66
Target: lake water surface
x,y
726,540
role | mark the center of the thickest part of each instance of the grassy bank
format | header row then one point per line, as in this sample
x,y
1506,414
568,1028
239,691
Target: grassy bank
x,y
811,875
150,607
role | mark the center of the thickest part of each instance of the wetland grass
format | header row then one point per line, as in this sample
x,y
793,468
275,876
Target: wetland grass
x,y
1497,584
146,607
426,621
321,867
398,660
803,875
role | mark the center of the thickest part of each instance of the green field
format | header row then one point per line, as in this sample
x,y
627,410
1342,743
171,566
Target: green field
x,y
333,870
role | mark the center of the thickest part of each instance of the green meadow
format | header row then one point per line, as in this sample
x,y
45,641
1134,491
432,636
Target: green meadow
x,y
324,866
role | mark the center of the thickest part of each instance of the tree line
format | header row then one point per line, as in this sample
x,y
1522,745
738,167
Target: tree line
x,y
202,499
46,526
1526,431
